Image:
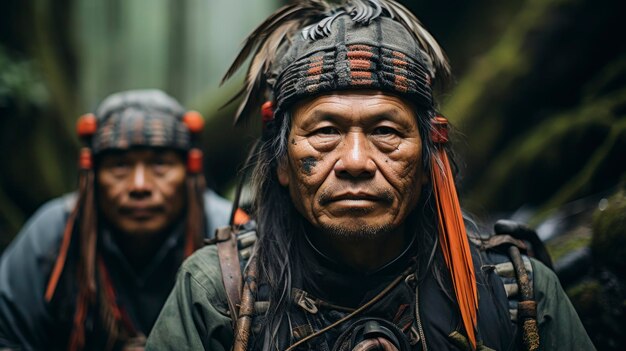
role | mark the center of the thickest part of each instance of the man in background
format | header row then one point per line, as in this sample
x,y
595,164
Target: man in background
x,y
91,270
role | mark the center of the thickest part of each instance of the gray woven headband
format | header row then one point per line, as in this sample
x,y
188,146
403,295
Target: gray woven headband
x,y
140,118
382,55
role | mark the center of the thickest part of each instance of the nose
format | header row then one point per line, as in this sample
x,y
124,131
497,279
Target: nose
x,y
140,186
356,159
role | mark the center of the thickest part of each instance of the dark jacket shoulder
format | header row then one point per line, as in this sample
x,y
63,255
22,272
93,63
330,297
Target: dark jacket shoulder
x,y
41,235
203,267
25,266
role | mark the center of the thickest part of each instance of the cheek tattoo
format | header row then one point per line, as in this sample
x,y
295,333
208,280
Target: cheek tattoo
x,y
308,163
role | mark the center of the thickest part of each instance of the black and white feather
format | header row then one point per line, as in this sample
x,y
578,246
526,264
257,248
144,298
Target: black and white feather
x,y
321,29
365,11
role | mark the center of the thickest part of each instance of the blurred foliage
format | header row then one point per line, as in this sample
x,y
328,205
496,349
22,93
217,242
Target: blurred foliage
x,y
543,108
33,162
538,95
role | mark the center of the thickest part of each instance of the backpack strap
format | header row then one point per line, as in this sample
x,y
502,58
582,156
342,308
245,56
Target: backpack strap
x,y
533,246
527,306
515,272
226,242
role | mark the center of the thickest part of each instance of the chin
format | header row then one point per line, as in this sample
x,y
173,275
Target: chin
x,y
357,230
142,229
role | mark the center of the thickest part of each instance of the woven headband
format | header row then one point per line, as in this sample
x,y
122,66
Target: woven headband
x,y
140,118
382,56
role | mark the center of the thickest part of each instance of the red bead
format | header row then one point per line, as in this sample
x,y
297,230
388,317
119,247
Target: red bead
x,y
86,125
439,133
85,159
194,121
267,111
194,161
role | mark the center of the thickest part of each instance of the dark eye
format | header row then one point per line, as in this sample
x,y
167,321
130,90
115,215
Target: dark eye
x,y
385,131
120,164
117,163
159,161
160,165
326,131
117,166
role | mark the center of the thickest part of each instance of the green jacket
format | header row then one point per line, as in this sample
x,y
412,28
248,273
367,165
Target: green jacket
x,y
195,317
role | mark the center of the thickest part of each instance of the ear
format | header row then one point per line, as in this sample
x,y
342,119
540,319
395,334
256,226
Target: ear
x,y
282,172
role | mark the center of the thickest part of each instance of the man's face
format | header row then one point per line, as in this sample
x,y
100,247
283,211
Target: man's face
x,y
141,192
354,162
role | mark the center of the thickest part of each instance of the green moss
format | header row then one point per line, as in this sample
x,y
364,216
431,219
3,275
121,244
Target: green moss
x,y
584,295
505,62
557,155
564,244
570,190
614,70
609,238
543,144
601,312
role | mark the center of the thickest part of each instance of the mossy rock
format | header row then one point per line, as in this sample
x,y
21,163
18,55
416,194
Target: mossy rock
x,y
609,238
571,241
584,297
600,306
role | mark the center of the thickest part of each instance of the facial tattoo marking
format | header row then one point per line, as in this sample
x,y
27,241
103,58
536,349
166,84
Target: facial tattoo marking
x,y
308,163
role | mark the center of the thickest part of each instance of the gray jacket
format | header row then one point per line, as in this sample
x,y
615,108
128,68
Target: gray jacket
x,y
28,322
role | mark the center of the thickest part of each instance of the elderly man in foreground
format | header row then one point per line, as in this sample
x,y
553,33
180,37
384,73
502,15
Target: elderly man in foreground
x,y
361,241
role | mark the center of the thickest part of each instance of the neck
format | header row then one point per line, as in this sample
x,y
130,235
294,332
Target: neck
x,y
139,252
139,249
362,254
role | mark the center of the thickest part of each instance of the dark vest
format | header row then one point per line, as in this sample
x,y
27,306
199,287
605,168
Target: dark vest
x,y
419,310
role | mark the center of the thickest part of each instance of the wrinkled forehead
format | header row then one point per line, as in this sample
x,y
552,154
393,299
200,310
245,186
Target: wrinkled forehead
x,y
354,106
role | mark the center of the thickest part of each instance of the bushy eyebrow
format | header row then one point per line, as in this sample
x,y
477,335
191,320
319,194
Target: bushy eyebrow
x,y
145,153
392,114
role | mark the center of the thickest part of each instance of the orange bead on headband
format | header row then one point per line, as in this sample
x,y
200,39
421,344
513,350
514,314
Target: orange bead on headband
x,y
194,122
86,125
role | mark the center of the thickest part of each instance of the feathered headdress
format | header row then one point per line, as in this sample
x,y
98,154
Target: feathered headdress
x,y
309,22
311,47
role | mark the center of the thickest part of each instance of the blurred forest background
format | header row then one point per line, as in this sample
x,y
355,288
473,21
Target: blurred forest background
x,y
539,99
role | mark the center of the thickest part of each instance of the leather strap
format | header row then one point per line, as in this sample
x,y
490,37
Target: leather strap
x,y
501,239
231,269
527,307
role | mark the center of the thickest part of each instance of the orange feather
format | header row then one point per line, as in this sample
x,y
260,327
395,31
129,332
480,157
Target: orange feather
x,y
452,235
